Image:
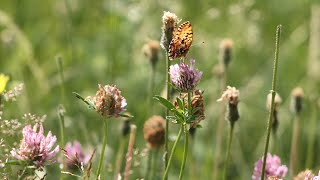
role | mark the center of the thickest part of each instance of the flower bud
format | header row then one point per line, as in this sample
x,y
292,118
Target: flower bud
x,y
277,102
226,52
296,100
231,96
151,51
126,127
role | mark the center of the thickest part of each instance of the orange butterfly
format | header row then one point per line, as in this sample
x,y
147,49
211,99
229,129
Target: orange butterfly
x,y
181,41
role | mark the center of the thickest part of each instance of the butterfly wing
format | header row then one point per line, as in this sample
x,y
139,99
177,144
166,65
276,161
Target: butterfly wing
x,y
181,41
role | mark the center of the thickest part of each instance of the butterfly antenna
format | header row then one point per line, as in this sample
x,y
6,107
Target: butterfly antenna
x,y
198,44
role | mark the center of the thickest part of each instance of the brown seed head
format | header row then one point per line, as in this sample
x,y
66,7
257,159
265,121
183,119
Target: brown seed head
x,y
226,51
231,95
296,100
151,50
196,102
277,101
154,132
125,128
169,20
169,23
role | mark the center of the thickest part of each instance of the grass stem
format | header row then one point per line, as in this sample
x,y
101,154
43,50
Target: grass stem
x,y
185,150
219,132
104,143
166,146
119,158
294,145
151,91
60,112
226,165
165,176
149,164
133,129
154,167
273,93
311,137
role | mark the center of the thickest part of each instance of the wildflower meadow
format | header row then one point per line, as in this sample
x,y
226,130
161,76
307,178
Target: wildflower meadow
x,y
160,90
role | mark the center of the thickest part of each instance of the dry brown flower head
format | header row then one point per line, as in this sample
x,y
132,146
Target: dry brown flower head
x,y
154,131
230,95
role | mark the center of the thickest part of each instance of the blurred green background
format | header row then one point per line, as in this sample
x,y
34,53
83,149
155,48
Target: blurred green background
x,y
100,41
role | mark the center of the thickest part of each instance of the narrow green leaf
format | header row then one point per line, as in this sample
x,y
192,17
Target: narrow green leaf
x,y
198,126
90,105
180,103
16,162
178,113
194,110
126,115
180,120
164,102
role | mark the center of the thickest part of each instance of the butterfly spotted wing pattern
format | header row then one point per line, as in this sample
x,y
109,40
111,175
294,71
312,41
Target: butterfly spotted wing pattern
x,y
181,41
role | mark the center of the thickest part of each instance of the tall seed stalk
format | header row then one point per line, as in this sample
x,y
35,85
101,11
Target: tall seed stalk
x,y
61,110
273,91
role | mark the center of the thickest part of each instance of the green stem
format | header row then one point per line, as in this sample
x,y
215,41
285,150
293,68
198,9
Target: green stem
x,y
219,132
226,165
61,74
294,144
189,104
69,27
172,152
61,111
193,164
119,157
155,164
186,139
104,142
62,127
166,146
149,164
311,137
152,83
20,176
133,130
274,78
185,151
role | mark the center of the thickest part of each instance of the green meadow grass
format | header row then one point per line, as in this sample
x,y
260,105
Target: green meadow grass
x,y
101,41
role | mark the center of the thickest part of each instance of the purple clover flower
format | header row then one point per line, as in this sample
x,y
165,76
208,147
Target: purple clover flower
x,y
310,176
74,155
273,168
185,77
108,101
36,147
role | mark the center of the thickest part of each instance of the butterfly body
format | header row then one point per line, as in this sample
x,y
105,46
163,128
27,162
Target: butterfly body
x,y
181,41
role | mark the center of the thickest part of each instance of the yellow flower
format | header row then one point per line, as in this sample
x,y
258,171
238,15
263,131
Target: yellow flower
x,y
3,82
